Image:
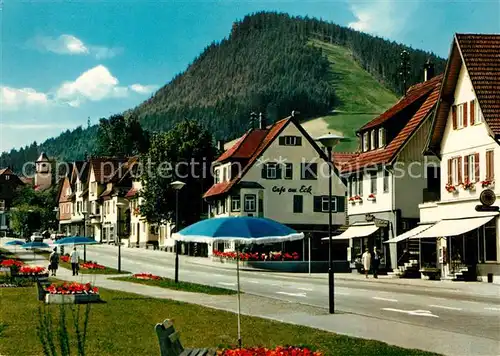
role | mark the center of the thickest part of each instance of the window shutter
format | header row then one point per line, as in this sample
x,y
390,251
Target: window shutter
x,y
476,167
282,140
340,204
454,116
298,141
449,171
317,204
459,159
472,112
264,171
466,169
466,116
492,164
289,169
490,170
278,171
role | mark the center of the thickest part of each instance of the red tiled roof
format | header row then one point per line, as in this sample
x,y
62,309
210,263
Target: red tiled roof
x,y
481,54
339,159
413,94
254,145
105,167
245,146
387,154
131,193
5,170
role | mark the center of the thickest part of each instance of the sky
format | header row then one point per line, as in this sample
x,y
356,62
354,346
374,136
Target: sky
x,y
66,62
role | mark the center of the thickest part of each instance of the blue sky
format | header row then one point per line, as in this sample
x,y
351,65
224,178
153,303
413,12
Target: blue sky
x,y
66,61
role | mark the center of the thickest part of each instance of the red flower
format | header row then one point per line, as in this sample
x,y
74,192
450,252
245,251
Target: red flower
x,y
65,258
72,288
262,351
11,263
32,270
91,265
146,276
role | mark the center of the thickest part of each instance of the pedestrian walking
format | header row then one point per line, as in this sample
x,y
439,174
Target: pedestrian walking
x,y
366,259
376,262
54,261
74,261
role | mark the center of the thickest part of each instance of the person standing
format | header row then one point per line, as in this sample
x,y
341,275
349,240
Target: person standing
x,y
54,261
366,260
376,262
74,261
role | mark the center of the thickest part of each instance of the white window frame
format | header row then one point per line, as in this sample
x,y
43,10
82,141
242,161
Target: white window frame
x,y
324,204
372,140
290,140
366,143
381,137
454,171
7,177
460,116
478,117
271,168
235,203
471,159
250,200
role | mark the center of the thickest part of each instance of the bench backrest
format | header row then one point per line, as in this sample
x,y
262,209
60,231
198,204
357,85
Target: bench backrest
x,y
170,344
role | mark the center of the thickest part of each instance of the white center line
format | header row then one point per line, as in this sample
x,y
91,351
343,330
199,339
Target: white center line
x,y
385,299
496,309
254,282
303,295
227,284
306,289
444,307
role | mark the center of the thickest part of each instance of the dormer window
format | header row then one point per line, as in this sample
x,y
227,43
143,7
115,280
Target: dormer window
x,y
7,177
366,143
290,140
381,137
373,139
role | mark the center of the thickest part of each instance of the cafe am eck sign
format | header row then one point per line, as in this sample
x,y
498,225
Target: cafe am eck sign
x,y
303,189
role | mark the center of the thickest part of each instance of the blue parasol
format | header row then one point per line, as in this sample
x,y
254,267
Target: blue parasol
x,y
242,230
35,245
75,240
15,243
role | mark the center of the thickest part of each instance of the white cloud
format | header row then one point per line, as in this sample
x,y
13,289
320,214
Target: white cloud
x,y
13,99
71,45
143,89
381,17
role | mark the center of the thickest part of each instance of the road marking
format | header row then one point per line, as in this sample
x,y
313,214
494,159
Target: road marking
x,y
218,275
275,284
495,309
444,307
385,299
254,282
303,295
413,312
306,289
227,284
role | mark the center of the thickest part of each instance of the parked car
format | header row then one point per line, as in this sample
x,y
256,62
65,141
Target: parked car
x,y
36,237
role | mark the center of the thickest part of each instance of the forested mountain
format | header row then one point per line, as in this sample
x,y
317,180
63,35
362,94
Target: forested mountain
x,y
269,63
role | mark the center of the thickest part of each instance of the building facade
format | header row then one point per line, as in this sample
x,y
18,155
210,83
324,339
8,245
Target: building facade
x,y
9,183
278,172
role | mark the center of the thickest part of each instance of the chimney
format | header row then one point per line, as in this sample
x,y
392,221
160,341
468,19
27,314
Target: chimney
x,y
428,70
253,118
262,122
220,145
295,115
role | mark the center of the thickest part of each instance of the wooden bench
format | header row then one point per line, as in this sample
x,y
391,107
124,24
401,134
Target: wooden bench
x,y
170,345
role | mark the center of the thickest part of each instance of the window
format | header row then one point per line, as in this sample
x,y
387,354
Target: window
x,y
373,140
386,181
490,166
373,182
271,171
308,171
216,176
250,200
324,204
114,207
366,143
290,141
460,116
224,174
471,168
2,204
298,203
7,177
490,241
381,137
223,206
476,111
352,186
288,171
235,203
360,184
455,171
68,191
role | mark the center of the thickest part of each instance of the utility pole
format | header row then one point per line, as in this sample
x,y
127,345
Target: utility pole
x,y
404,69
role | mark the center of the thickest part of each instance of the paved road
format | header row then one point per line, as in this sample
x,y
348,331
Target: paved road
x,y
433,308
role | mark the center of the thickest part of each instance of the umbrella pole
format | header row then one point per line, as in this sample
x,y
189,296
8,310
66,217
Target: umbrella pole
x,y
238,294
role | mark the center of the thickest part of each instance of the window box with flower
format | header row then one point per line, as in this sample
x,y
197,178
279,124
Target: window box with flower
x,y
450,188
468,185
372,197
487,183
352,200
358,198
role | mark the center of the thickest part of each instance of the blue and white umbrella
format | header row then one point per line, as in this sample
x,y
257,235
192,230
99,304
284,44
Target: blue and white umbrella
x,y
15,243
242,231
75,240
35,245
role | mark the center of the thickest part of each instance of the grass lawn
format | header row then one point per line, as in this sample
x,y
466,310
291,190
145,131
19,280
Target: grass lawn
x,y
107,270
124,325
183,286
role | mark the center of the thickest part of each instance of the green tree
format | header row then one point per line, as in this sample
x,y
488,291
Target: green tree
x,y
120,136
184,153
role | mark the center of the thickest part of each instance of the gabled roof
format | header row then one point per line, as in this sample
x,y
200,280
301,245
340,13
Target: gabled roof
x,y
480,54
80,170
245,147
104,168
258,147
43,157
5,171
387,154
340,159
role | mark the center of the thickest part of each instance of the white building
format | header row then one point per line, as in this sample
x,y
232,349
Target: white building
x,y
464,136
278,172
387,178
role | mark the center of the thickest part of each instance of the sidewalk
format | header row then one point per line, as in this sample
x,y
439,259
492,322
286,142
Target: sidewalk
x,y
391,332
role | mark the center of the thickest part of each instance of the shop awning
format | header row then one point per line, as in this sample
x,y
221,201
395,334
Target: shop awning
x,y
453,227
408,234
355,231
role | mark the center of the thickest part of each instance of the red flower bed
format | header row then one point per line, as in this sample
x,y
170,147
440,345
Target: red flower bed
x,y
256,256
65,258
32,270
146,276
11,263
91,265
262,351
72,288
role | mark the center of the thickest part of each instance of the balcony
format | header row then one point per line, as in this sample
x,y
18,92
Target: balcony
x,y
430,195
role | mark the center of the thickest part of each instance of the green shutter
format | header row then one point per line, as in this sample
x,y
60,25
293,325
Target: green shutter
x,y
282,140
298,203
264,171
340,204
317,204
278,171
298,141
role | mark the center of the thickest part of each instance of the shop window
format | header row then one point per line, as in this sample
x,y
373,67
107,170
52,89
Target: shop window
x,y
490,241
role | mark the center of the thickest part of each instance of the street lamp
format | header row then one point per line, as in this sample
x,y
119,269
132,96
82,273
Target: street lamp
x,y
329,141
85,214
177,185
118,233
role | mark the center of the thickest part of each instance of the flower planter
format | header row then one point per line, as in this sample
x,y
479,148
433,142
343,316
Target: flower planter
x,y
71,298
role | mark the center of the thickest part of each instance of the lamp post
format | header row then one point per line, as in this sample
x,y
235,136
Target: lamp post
x,y
177,185
118,234
329,141
85,214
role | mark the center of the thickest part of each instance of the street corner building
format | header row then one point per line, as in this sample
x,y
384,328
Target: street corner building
x,y
279,172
